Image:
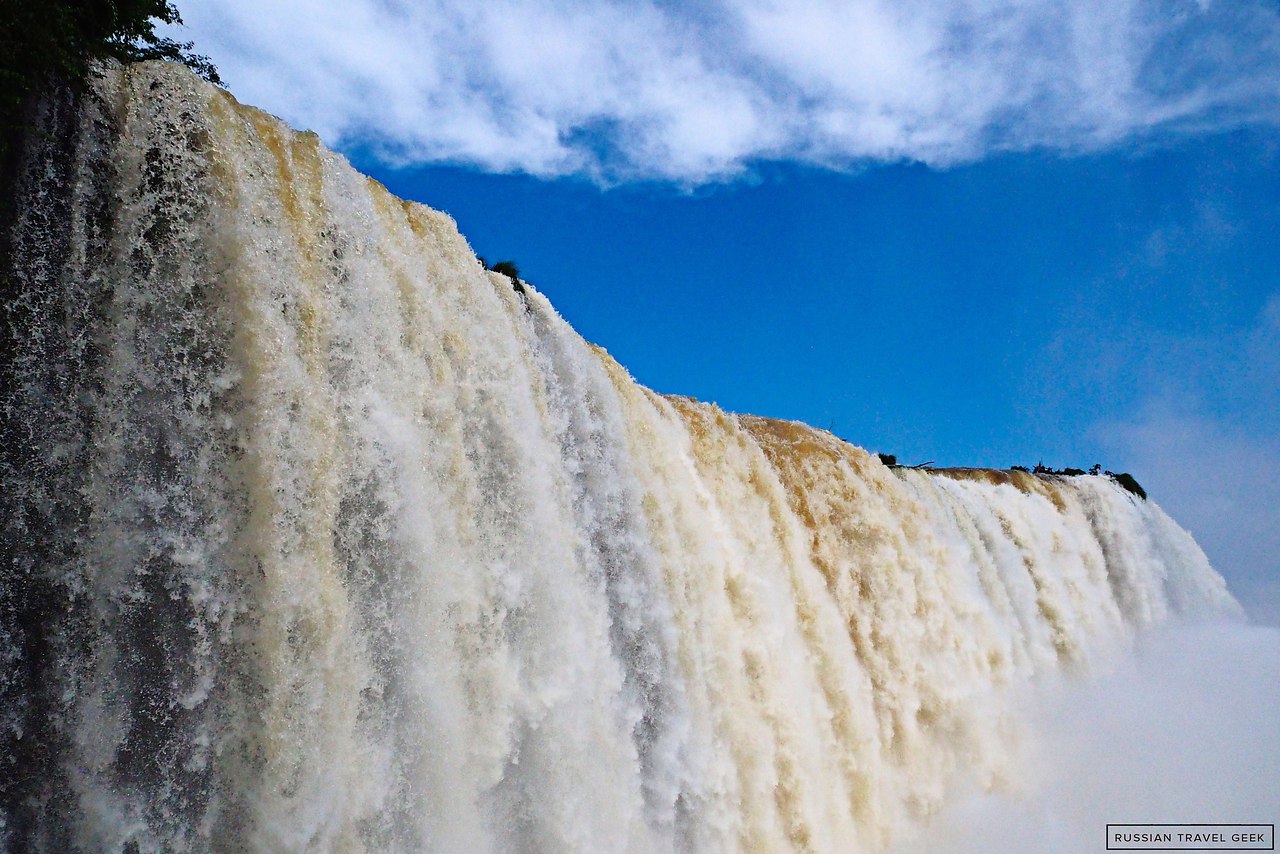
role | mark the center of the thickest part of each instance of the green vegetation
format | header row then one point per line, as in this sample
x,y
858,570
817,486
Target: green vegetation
x,y
508,269
1126,480
1123,479
891,460
49,43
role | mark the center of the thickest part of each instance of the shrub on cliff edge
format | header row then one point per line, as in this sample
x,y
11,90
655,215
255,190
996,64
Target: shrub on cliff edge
x,y
58,42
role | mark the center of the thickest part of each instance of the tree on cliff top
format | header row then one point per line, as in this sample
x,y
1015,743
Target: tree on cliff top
x,y
50,42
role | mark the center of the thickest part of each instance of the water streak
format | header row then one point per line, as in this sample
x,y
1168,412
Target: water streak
x,y
324,538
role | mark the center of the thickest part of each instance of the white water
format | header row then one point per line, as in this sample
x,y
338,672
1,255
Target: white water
x,y
1184,728
345,545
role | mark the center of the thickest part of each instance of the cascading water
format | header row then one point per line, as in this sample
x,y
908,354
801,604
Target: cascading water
x,y
321,537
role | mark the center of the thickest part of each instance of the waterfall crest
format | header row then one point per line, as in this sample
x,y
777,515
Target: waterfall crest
x,y
322,537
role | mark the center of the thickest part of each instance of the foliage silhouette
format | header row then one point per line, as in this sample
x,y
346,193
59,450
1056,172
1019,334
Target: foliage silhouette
x,y
54,43
1123,479
508,269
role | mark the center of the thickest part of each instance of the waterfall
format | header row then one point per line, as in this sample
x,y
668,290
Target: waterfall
x,y
320,536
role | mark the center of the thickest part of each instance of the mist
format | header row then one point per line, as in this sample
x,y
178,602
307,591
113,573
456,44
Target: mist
x,y
1184,730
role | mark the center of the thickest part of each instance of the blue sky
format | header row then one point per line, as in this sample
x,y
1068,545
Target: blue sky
x,y
1121,308
979,233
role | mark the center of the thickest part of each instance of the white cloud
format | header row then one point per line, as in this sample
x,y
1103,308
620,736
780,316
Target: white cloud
x,y
698,91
